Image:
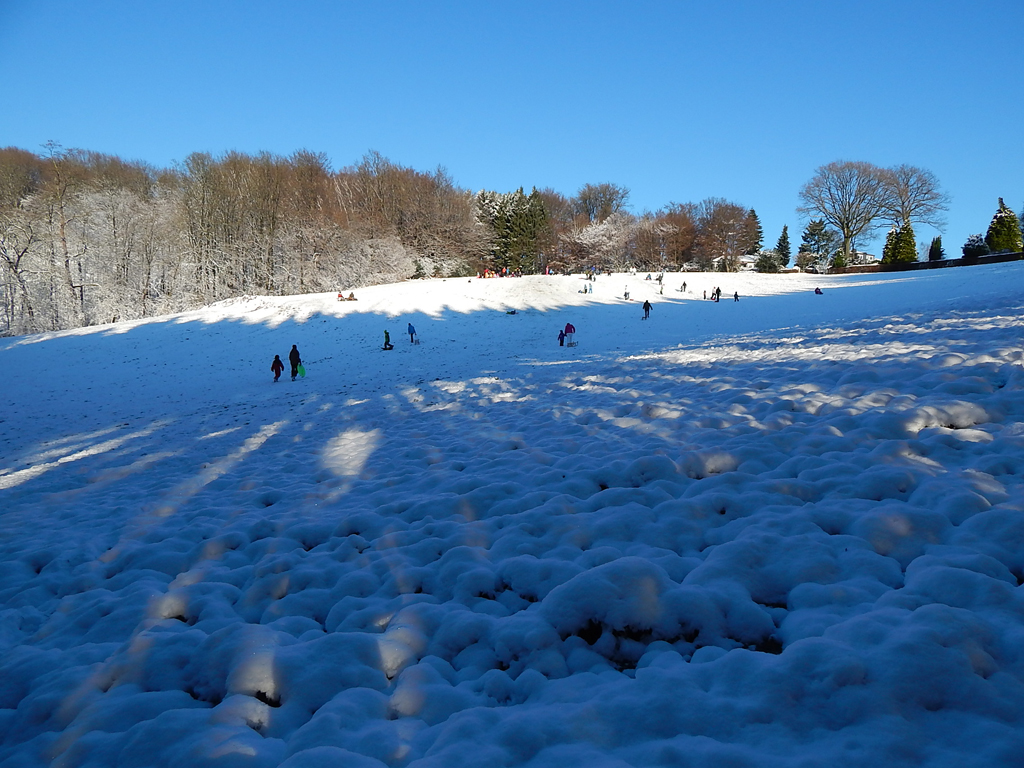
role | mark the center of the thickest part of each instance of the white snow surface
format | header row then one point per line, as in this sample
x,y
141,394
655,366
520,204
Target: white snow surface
x,y
784,531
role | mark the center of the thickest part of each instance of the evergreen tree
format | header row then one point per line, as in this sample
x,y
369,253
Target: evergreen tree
x,y
768,261
755,234
975,247
1003,234
782,248
818,244
900,246
935,252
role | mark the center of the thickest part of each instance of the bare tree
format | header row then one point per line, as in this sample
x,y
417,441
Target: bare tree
x,y
596,202
913,197
724,231
850,196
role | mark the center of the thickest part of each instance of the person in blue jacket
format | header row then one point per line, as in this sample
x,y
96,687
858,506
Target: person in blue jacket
x,y
412,334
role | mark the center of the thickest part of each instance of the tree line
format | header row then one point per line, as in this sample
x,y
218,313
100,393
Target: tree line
x,y
89,238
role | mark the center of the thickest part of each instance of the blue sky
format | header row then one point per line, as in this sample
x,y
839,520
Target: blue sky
x,y
677,101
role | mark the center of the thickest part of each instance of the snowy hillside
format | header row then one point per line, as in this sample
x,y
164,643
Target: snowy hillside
x,y
784,531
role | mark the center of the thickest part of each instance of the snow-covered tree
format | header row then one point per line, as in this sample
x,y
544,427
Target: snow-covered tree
x,y
1004,235
975,246
768,261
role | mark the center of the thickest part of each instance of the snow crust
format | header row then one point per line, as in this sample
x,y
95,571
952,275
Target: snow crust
x,y
784,531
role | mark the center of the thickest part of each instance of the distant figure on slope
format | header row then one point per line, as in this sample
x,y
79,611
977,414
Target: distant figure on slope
x,y
570,329
277,367
387,341
736,296
625,293
684,286
561,338
295,360
818,291
705,295
647,309
412,334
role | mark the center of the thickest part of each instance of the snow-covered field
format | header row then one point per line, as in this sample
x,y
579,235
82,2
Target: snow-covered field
x,y
785,531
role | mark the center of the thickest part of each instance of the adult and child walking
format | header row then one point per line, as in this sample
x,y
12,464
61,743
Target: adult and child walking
x,y
296,362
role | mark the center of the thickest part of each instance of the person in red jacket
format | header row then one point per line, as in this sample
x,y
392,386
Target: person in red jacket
x,y
277,367
570,329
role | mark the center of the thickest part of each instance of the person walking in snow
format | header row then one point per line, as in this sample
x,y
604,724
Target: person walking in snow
x,y
561,338
412,334
570,329
387,341
277,367
647,309
684,286
736,296
295,360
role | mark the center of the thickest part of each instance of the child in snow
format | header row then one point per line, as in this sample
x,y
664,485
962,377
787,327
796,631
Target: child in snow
x,y
561,338
277,367
412,334
736,296
295,360
387,341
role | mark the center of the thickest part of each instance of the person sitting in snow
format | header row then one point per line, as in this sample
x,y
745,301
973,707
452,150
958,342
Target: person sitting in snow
x,y
295,360
818,291
277,367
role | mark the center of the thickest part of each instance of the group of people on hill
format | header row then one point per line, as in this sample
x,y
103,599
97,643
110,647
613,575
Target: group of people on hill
x,y
716,294
277,366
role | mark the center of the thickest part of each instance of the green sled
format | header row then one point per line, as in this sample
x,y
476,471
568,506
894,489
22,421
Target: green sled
x,y
302,371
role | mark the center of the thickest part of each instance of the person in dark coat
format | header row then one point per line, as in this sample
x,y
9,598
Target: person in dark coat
x,y
277,367
387,341
561,338
295,360
647,309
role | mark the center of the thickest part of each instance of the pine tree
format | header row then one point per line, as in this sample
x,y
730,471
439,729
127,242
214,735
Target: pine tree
x,y
900,246
817,245
1003,234
756,233
782,249
935,252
